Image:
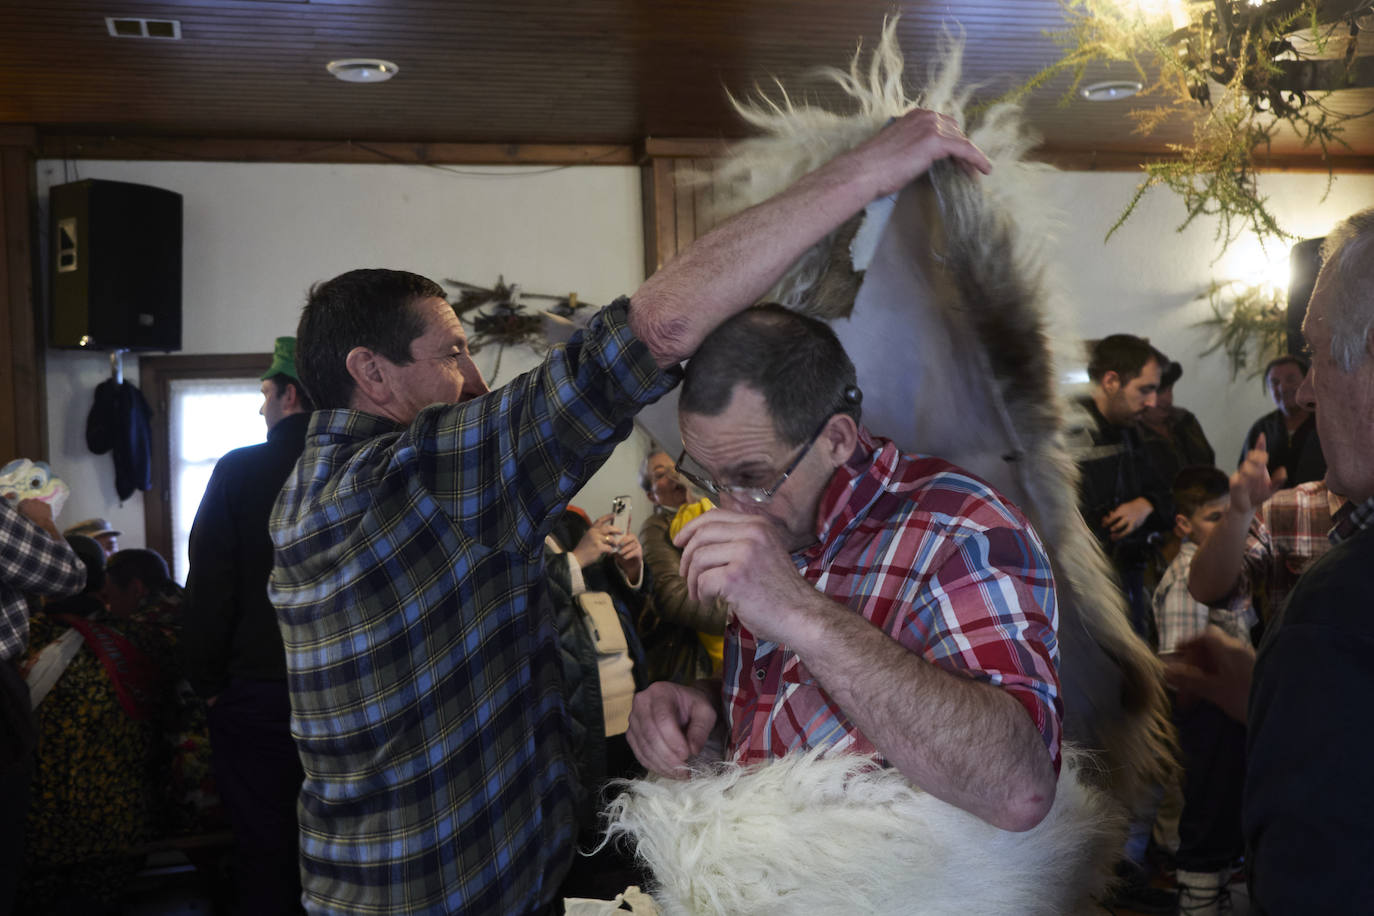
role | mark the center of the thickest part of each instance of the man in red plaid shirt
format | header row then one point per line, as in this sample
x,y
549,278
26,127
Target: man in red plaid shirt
x,y
885,604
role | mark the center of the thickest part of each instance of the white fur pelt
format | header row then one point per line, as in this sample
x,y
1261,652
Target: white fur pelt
x,y
954,352
807,835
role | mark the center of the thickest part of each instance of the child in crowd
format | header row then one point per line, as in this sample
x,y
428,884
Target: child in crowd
x,y
1212,744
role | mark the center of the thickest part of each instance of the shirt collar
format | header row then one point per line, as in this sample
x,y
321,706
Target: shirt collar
x,y
329,427
1351,519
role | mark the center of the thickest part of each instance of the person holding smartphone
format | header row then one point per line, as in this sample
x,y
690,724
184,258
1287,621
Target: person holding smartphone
x,y
594,577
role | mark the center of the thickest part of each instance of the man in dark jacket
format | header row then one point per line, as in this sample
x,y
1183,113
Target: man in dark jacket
x,y
1290,432
1121,495
232,649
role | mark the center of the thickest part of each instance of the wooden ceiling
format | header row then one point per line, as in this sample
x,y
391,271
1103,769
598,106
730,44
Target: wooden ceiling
x,y
609,72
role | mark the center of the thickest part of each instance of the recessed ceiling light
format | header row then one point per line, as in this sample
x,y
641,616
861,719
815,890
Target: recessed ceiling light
x,y
1111,90
362,69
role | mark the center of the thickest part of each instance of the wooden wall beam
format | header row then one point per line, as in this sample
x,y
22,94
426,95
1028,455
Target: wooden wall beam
x,y
56,145
23,383
1123,160
52,145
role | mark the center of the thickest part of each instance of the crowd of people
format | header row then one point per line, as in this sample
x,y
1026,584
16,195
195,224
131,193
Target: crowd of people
x,y
416,670
112,747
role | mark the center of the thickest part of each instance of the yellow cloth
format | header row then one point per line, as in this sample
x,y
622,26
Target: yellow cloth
x,y
715,645
686,513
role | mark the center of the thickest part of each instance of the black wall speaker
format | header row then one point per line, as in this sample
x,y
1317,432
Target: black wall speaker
x,y
1304,261
116,271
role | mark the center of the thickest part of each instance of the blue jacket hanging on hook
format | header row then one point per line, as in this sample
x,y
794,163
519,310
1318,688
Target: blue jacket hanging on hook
x,y
119,422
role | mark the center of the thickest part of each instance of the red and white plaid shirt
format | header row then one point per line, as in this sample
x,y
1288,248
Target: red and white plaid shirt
x,y
1290,530
935,559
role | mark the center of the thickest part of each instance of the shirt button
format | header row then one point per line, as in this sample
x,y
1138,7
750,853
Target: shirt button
x,y
760,673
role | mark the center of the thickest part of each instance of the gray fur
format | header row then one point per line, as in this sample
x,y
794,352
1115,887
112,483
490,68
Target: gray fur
x,y
981,382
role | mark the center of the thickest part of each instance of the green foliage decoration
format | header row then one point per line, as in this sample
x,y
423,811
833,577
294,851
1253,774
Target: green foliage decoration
x,y
1249,324
1231,68
1243,72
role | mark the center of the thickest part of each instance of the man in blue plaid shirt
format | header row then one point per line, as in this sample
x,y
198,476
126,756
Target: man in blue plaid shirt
x,y
424,676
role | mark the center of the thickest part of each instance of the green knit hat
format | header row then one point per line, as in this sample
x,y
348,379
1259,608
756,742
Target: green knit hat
x,y
283,359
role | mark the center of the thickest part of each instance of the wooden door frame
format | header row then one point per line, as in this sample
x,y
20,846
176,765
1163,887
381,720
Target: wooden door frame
x,y
156,374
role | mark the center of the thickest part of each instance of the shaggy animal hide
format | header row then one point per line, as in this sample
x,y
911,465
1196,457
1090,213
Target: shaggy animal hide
x,y
950,330
808,835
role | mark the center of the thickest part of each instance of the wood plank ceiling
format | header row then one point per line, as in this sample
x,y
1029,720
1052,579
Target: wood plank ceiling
x,y
507,71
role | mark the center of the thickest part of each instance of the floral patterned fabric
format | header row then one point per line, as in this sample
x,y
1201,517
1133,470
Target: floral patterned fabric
x,y
105,782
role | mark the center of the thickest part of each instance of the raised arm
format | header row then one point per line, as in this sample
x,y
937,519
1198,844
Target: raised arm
x,y
727,269
1220,558
34,557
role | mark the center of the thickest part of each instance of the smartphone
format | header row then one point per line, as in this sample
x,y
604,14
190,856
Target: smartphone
x,y
620,508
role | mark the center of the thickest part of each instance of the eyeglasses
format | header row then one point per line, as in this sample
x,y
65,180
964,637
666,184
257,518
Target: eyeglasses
x,y
702,480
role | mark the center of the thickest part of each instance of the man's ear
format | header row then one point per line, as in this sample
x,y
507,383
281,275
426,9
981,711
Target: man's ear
x,y
290,397
1111,381
368,374
839,439
1182,527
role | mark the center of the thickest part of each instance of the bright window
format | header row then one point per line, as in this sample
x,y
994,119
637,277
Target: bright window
x,y
206,418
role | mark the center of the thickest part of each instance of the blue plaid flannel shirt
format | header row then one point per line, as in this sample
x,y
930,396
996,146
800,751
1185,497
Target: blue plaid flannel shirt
x,y
425,687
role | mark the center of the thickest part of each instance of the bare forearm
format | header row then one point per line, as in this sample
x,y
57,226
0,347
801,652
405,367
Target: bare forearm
x,y
1219,559
729,268
965,742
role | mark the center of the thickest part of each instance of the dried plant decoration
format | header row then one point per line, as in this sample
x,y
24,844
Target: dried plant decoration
x,y
1245,71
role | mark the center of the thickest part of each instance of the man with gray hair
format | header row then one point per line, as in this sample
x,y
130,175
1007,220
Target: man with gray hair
x,y
1310,741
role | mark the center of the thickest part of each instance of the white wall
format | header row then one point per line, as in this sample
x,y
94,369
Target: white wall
x,y
1148,278
257,235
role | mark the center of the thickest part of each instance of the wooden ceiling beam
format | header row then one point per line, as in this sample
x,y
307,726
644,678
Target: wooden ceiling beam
x,y
1125,160
92,146
58,145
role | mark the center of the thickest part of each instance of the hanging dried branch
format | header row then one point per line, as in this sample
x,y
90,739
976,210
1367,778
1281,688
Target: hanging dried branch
x,y
1235,70
1249,324
506,321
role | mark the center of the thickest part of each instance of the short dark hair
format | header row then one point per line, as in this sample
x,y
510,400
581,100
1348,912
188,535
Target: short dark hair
x,y
1197,485
280,380
147,566
796,362
1124,354
1284,360
362,308
1170,375
92,556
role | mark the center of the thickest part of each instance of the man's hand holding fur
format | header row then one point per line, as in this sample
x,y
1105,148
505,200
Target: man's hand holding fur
x,y
906,149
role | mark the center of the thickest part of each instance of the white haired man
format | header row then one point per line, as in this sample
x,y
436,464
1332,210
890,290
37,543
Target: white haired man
x,y
1305,810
